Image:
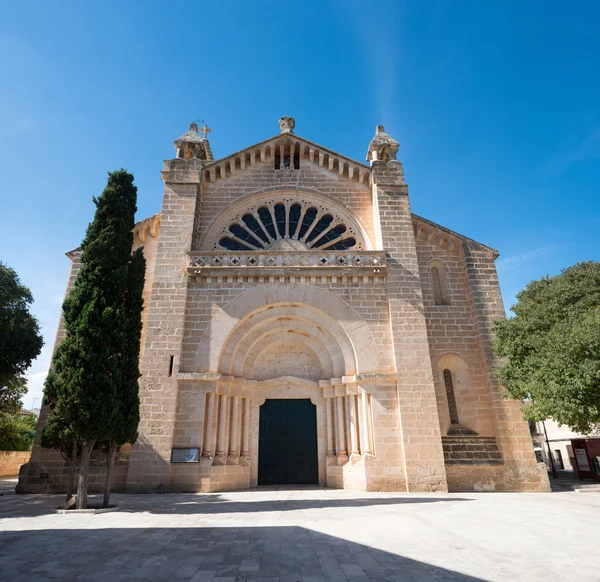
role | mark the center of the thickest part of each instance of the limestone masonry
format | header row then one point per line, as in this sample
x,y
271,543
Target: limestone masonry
x,y
301,325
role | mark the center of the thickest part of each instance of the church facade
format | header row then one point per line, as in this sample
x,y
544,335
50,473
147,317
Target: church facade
x,y
302,326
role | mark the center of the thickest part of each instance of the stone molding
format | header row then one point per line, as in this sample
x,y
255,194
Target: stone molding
x,y
349,383
288,266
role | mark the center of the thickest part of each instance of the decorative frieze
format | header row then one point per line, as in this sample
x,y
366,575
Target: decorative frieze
x,y
346,381
288,266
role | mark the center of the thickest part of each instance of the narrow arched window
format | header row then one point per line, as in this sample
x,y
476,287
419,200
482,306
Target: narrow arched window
x,y
449,385
437,286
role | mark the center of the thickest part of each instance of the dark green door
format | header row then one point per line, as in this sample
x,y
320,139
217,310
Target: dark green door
x,y
287,443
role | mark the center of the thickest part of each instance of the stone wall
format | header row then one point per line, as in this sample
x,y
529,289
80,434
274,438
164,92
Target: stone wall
x,y
11,461
416,408
453,335
522,472
149,468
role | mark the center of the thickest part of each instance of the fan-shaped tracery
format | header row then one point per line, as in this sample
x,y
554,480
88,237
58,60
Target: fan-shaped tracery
x,y
288,224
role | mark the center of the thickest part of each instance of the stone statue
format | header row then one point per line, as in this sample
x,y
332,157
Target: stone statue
x,y
191,146
287,124
382,148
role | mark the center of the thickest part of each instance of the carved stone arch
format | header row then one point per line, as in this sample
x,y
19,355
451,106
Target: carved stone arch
x,y
278,324
304,321
319,307
269,197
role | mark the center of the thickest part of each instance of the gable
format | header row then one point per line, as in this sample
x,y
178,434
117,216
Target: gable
x,y
286,153
443,237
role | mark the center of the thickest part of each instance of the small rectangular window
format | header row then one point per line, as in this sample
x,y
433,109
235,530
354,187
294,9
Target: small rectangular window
x,y
171,366
185,455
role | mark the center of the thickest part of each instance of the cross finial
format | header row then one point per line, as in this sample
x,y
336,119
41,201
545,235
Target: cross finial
x,y
204,129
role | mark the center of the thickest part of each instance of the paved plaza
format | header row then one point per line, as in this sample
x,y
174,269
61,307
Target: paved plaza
x,y
305,535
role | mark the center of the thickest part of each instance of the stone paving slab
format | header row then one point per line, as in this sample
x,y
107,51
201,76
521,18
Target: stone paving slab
x,y
305,535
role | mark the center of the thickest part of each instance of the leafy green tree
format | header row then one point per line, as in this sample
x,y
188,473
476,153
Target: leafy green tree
x,y
552,348
16,433
20,339
87,373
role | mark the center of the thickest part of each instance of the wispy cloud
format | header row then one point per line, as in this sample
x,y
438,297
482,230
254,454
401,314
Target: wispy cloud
x,y
376,35
515,262
587,149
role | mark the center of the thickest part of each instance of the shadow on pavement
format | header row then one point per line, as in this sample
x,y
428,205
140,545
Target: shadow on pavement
x,y
215,503
14,506
276,554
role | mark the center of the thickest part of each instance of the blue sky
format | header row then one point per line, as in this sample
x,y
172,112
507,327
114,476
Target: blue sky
x,y
496,106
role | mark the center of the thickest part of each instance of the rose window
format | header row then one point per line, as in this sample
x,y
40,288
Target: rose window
x,y
291,226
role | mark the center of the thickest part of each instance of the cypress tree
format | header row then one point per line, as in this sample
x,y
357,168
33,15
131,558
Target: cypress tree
x,y
88,368
124,429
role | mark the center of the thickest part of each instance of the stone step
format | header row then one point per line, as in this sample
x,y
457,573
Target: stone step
x,y
588,488
482,455
468,441
470,450
474,462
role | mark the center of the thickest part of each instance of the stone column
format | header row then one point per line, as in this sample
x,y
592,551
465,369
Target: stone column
x,y
329,419
234,444
208,451
341,431
149,461
245,458
221,456
417,433
365,424
354,451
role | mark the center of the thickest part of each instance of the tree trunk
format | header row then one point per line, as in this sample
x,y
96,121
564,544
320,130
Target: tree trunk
x,y
72,467
110,465
82,486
